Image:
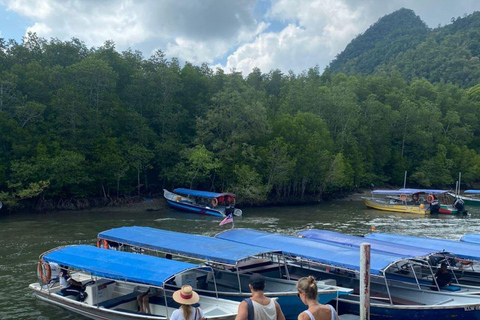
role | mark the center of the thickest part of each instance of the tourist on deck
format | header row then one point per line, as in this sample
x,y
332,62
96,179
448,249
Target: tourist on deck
x,y
186,297
263,308
307,292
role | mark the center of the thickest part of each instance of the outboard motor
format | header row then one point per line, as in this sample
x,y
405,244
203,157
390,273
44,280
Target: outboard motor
x,y
435,206
459,204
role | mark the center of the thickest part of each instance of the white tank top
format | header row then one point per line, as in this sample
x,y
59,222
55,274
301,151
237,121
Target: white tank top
x,y
262,312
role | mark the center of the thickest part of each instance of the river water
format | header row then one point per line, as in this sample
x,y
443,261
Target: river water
x,y
24,236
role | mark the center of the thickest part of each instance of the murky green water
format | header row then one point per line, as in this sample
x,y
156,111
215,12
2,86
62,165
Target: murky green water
x,y
24,237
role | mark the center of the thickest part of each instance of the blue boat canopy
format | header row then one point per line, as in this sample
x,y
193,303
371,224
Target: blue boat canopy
x,y
461,249
471,238
330,254
375,245
203,194
118,265
472,191
409,191
195,246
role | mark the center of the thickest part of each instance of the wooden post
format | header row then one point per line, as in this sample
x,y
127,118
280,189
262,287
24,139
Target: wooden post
x,y
365,281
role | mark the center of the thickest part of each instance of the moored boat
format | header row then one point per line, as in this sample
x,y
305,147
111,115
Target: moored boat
x,y
414,201
114,279
470,197
202,202
461,270
231,261
387,300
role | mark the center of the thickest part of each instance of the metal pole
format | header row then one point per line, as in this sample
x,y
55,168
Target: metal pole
x,y
365,281
459,182
405,180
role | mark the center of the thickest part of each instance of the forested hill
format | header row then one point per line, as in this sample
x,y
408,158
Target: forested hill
x,y
81,126
401,41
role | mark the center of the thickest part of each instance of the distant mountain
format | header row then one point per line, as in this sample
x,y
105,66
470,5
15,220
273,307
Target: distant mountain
x,y
402,41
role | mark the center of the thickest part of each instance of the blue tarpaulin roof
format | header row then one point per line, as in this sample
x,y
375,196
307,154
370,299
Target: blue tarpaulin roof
x,y
331,254
461,249
118,265
471,238
472,191
375,245
203,194
195,246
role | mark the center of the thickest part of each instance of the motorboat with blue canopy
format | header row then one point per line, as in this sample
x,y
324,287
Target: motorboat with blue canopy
x,y
461,249
112,280
415,201
233,263
387,300
470,197
202,202
423,276
471,238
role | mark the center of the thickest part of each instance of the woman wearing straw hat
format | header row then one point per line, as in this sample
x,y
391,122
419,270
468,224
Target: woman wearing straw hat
x,y
186,297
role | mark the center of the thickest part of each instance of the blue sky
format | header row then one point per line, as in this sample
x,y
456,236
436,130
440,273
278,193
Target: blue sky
x,y
241,34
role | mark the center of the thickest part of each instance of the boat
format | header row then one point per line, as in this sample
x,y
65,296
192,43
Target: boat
x,y
468,197
203,202
113,280
233,263
471,238
414,201
461,276
463,250
387,300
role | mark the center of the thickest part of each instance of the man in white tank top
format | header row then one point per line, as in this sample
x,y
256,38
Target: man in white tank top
x,y
263,308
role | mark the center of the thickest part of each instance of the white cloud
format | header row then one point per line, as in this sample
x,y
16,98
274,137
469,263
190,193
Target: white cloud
x,y
197,31
317,30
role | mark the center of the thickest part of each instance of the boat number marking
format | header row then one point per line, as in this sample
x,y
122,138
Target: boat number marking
x,y
472,308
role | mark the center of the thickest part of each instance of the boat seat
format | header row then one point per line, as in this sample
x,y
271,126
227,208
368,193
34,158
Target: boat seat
x,y
108,304
451,288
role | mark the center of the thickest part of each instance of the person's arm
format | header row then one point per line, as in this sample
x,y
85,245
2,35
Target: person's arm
x,y
280,315
243,311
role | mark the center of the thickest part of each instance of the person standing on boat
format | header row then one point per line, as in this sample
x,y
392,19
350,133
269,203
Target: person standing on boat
x,y
143,299
307,292
186,297
259,307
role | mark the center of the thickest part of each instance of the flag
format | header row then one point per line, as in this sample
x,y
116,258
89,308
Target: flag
x,y
227,219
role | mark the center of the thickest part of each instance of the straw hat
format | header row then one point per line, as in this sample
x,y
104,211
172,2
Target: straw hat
x,y
186,295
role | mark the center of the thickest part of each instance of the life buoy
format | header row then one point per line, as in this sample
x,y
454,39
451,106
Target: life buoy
x,y
44,271
214,202
233,202
403,197
430,198
101,242
415,197
445,199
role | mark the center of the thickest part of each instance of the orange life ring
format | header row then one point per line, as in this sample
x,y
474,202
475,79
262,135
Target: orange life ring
x,y
102,241
430,198
445,199
403,197
44,271
214,202
233,202
415,197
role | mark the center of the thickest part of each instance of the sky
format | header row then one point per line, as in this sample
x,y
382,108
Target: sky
x,y
290,35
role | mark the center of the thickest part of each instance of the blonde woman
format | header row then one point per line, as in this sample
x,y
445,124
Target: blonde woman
x,y
186,297
307,292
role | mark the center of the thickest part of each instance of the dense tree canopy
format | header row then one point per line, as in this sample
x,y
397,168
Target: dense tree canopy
x,y
79,123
